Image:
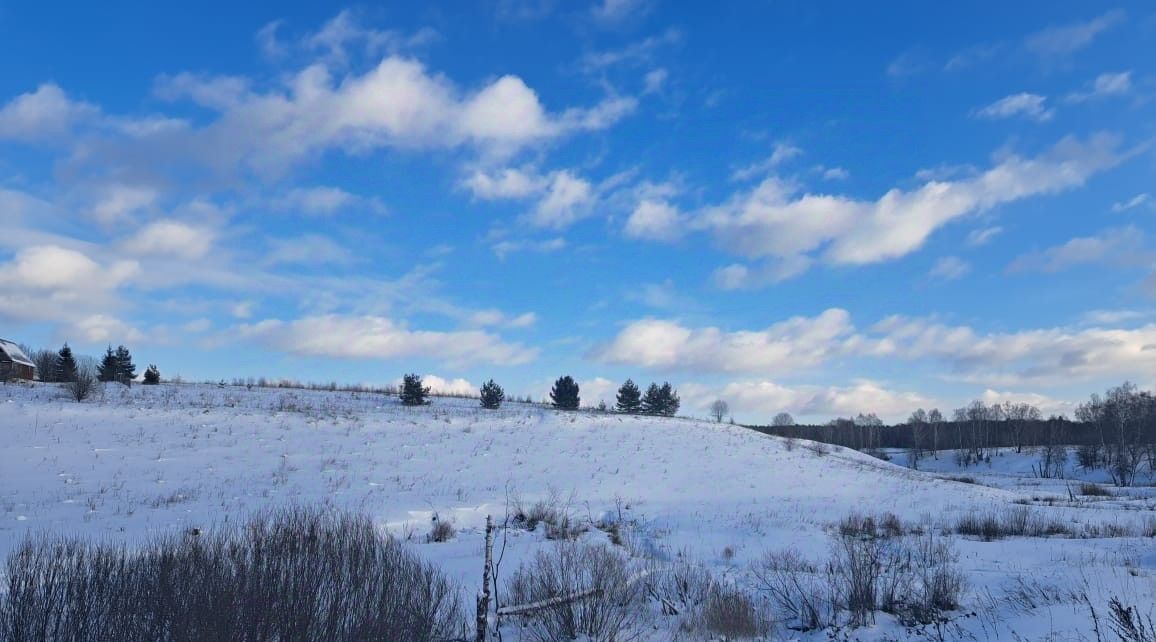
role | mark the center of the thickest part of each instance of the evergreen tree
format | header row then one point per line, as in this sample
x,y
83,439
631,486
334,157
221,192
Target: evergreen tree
x,y
565,393
670,400
492,395
662,401
125,369
64,370
152,376
413,393
652,401
629,398
109,368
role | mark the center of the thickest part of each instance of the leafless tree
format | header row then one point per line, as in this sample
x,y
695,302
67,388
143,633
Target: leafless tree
x,y
783,419
719,409
85,383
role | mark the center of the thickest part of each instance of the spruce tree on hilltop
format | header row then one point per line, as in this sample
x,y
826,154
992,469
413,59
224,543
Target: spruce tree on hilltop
x,y
109,368
413,393
152,376
125,369
565,393
661,401
492,395
670,400
629,398
64,370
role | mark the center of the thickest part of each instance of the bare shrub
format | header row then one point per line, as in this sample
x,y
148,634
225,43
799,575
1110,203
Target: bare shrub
x,y
440,530
1093,490
84,383
817,447
1019,521
553,513
1128,625
576,590
681,589
798,591
291,575
730,613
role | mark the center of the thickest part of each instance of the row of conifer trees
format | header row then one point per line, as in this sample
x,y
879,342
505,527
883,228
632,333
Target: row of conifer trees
x,y
658,400
115,366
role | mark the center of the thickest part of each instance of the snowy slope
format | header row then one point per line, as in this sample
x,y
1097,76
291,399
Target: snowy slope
x,y
169,457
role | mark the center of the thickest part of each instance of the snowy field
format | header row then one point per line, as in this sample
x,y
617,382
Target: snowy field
x,y
168,458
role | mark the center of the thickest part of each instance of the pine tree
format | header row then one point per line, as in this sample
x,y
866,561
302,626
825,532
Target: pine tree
x,y
565,393
413,393
662,401
492,395
109,368
652,401
64,369
152,376
125,369
629,398
670,400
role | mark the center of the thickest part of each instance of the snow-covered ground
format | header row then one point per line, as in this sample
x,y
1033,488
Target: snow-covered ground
x,y
156,459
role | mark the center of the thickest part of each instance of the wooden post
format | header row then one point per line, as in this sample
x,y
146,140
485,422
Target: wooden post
x,y
483,621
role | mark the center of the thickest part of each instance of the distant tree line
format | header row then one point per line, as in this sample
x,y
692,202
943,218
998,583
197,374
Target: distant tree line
x,y
1115,432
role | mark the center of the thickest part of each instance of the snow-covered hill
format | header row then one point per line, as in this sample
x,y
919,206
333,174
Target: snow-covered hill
x,y
170,457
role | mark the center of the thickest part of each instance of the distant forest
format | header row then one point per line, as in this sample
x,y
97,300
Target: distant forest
x,y
1115,431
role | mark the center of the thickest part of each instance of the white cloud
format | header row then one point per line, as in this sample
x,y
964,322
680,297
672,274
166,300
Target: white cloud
x,y
635,54
791,345
309,249
773,270
118,202
909,63
1104,86
325,201
398,103
502,249
170,238
99,328
655,221
782,153
438,385
982,236
63,271
1063,41
949,268
1134,202
47,113
655,80
835,174
373,337
771,220
505,183
1048,406
763,399
567,199
615,11
493,317
1122,245
1030,106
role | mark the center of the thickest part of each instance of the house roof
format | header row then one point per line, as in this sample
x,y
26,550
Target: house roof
x,y
15,353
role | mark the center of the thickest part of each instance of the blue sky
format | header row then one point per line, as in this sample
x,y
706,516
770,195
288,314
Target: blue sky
x,y
823,208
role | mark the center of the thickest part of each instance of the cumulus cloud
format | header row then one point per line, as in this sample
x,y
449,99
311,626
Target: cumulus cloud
x,y
774,220
374,337
170,238
655,221
439,385
44,114
398,104
1042,355
504,183
794,344
308,249
1031,106
566,199
762,399
503,249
